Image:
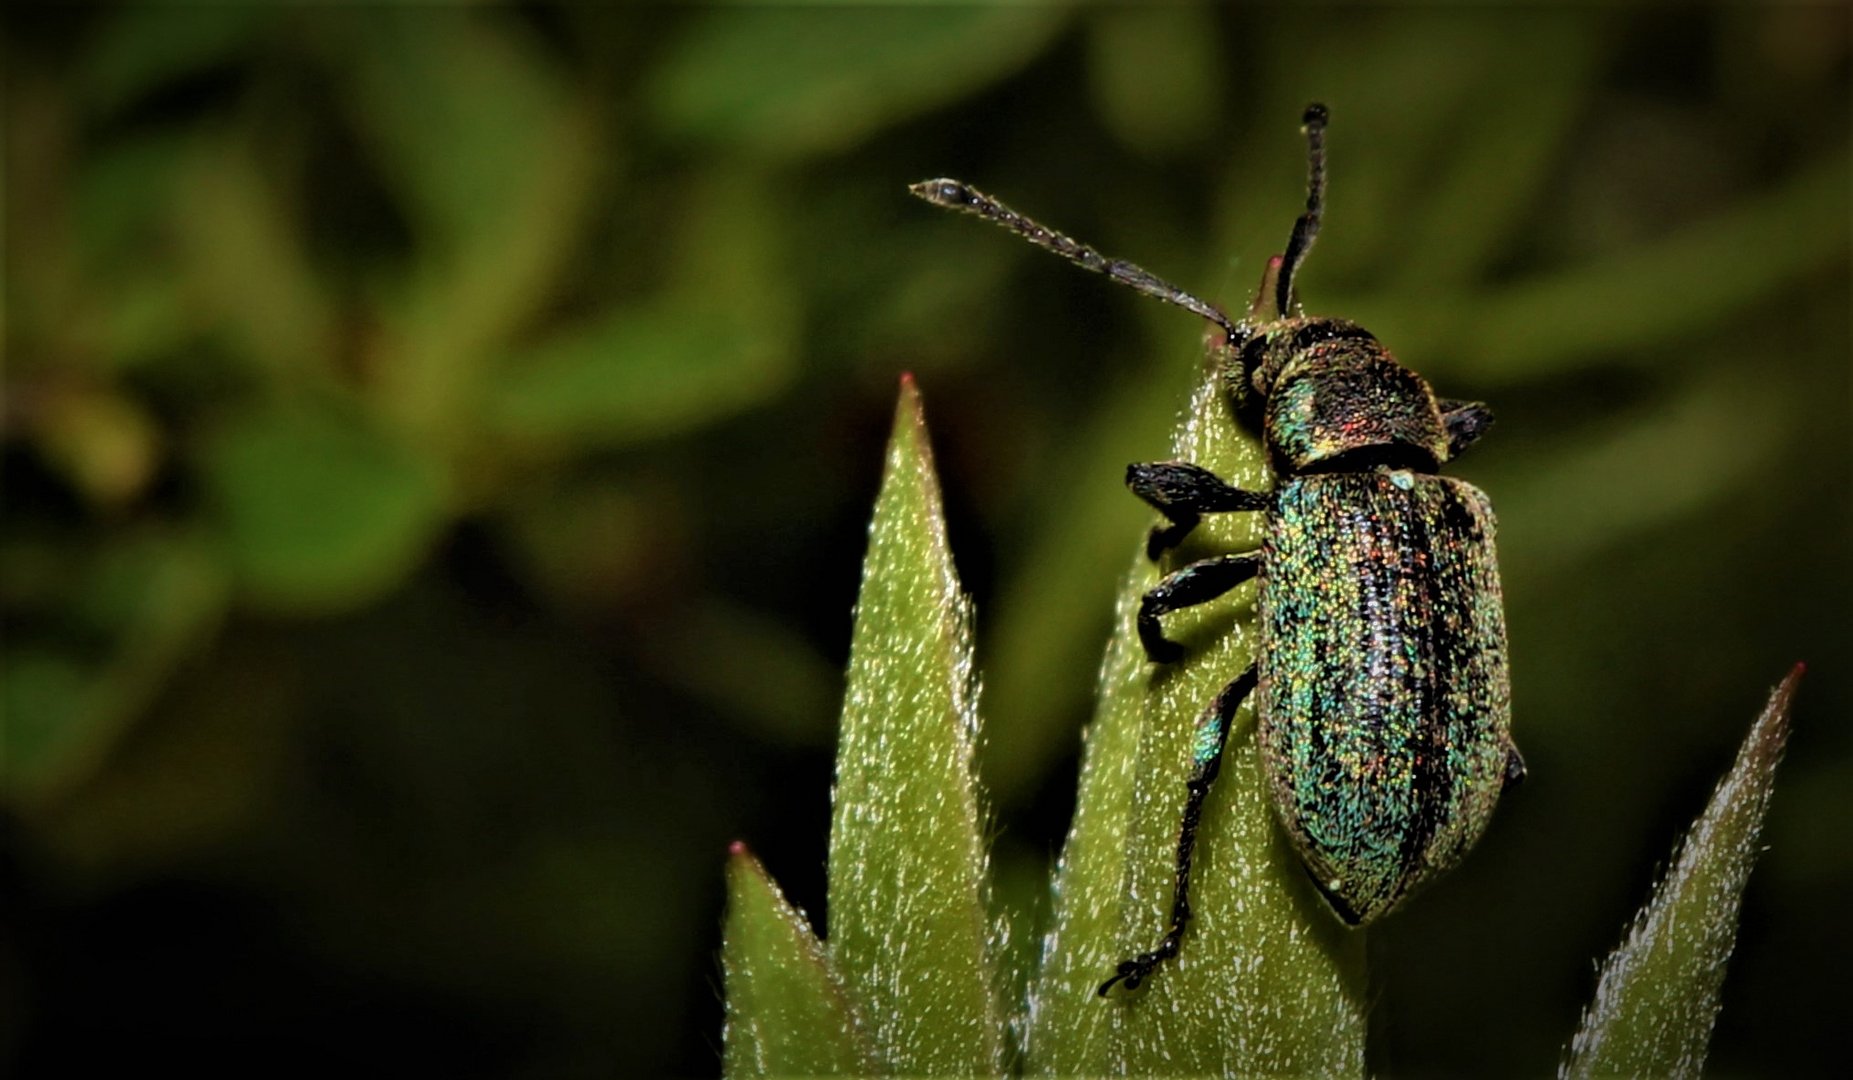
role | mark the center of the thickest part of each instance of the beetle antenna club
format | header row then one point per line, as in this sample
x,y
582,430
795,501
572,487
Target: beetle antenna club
x,y
958,195
1306,229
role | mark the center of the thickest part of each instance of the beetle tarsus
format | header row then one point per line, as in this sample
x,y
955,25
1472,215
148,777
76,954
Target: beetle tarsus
x,y
1134,972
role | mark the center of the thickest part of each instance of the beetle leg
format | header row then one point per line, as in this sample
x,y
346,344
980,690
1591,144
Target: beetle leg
x,y
1212,735
1465,422
1197,583
1515,768
1183,492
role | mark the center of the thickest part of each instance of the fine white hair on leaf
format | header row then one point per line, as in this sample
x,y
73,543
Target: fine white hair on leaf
x,y
1657,996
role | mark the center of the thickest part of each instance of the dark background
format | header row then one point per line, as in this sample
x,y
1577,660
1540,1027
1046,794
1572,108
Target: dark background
x,y
438,446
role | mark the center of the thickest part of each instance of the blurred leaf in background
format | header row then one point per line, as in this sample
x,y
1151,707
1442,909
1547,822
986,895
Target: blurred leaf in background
x,y
437,445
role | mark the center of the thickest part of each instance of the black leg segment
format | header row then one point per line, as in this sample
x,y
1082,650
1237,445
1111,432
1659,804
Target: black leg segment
x,y
1183,493
1216,718
1465,422
1515,769
1197,583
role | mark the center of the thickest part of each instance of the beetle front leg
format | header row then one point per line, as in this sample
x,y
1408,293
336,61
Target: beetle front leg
x,y
1183,493
1212,736
1198,583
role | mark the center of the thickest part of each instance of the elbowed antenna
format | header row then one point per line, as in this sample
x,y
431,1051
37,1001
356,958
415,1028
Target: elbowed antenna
x,y
958,195
1306,229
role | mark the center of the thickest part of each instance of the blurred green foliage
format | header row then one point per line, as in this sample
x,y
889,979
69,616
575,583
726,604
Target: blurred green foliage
x,y
438,445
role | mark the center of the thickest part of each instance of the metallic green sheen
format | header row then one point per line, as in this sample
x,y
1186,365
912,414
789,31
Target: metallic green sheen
x,y
1384,707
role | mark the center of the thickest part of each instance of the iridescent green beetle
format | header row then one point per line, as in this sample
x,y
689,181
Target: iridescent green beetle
x,y
1384,709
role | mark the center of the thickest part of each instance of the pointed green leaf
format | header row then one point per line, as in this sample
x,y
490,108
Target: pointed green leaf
x,y
1268,980
787,1014
908,927
1658,993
